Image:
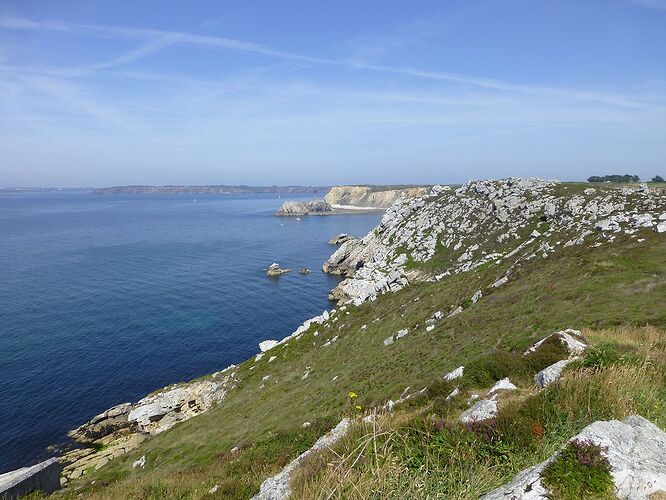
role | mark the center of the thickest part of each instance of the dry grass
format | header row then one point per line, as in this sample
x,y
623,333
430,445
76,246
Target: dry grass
x,y
386,460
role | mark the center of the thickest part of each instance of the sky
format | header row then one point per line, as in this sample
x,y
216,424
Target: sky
x,y
307,92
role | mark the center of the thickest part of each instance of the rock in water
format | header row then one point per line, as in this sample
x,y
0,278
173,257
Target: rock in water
x,y
304,270
300,208
275,270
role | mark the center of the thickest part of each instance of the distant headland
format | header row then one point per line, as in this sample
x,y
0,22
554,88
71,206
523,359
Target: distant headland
x,y
213,189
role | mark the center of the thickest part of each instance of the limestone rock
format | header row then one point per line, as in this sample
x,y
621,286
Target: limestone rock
x,y
480,411
301,208
457,373
552,373
277,487
635,449
502,385
468,222
267,345
570,338
275,270
340,239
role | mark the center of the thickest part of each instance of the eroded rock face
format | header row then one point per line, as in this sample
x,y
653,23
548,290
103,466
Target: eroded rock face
x,y
480,411
340,239
275,270
124,427
552,373
277,487
487,221
635,449
369,196
572,339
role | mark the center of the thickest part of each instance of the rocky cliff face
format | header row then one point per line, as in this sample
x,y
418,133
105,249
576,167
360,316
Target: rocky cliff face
x,y
301,208
369,197
511,220
122,428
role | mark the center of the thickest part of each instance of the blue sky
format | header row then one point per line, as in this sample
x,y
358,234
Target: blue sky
x,y
304,92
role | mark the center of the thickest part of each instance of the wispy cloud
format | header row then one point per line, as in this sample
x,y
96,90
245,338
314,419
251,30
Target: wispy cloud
x,y
655,4
160,39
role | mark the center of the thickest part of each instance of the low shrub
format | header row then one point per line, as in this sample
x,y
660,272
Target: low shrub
x,y
579,471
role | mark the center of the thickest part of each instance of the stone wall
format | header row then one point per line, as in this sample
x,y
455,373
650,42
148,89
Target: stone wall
x,y
44,476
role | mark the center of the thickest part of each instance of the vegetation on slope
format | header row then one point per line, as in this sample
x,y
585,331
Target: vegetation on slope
x,y
600,288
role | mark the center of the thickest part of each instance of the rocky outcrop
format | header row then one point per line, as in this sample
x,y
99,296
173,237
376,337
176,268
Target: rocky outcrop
x,y
480,411
508,221
277,487
124,427
370,196
44,477
302,208
275,270
575,345
635,449
340,239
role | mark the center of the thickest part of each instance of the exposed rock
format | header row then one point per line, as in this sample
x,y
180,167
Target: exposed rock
x,y
480,215
502,385
340,239
140,463
369,196
457,373
453,394
304,270
635,449
277,487
570,338
44,477
124,427
275,270
301,208
108,422
455,312
661,227
552,373
267,345
480,411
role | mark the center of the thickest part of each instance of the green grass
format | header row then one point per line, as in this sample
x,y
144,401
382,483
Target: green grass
x,y
422,451
579,471
604,287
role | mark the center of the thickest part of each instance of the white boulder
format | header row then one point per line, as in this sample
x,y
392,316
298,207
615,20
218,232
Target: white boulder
x,y
635,449
480,411
552,373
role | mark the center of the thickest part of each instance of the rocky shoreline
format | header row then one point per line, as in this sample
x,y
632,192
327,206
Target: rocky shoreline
x,y
379,263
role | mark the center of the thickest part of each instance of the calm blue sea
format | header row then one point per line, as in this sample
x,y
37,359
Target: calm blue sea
x,y
106,298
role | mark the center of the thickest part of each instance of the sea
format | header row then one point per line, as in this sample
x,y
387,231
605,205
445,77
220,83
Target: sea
x,y
105,298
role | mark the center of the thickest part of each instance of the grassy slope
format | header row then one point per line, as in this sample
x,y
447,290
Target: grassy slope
x,y
619,284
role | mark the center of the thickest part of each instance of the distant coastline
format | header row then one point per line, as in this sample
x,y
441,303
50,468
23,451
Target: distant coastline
x,y
213,189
